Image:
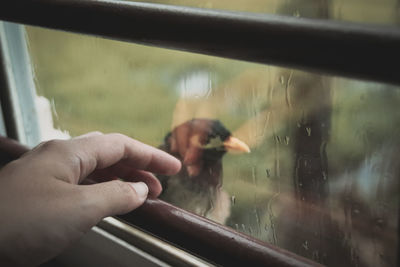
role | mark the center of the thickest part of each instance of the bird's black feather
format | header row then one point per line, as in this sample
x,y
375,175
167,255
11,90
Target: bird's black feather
x,y
196,193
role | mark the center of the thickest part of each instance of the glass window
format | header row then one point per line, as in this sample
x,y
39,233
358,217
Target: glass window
x,y
366,11
321,178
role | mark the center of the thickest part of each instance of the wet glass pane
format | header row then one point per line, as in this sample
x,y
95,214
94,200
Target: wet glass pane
x,y
321,178
365,11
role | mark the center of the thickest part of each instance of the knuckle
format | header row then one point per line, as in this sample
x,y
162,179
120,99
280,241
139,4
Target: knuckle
x,y
117,136
51,145
96,133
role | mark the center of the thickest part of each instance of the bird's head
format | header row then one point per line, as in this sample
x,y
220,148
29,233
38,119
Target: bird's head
x,y
200,143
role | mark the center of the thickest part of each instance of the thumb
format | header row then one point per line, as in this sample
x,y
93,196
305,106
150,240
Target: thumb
x,y
115,197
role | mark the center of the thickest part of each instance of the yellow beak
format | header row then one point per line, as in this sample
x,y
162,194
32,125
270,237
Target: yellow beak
x,y
232,144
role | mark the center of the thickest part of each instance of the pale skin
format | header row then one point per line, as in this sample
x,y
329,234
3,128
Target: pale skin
x,y
44,208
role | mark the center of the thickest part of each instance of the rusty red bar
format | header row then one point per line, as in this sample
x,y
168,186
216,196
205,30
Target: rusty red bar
x,y
207,239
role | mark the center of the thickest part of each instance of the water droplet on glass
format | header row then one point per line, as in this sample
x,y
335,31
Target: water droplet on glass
x,y
315,255
233,200
211,204
308,129
305,245
287,138
257,216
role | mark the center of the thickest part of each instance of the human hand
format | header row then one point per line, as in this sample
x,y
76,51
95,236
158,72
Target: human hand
x,y
43,209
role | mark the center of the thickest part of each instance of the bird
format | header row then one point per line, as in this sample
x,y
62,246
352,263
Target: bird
x,y
200,145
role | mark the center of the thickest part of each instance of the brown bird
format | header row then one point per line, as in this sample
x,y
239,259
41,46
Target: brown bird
x,y
200,145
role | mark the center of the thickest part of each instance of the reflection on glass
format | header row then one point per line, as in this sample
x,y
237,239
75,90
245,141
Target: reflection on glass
x,y
321,178
365,11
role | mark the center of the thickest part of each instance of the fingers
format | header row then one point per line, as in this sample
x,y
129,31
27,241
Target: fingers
x,y
101,151
128,174
95,133
113,198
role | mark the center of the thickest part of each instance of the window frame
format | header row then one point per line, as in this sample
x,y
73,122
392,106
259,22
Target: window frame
x,y
347,49
361,51
16,72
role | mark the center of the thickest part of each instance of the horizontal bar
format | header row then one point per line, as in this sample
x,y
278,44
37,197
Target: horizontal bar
x,y
207,239
346,49
153,246
195,234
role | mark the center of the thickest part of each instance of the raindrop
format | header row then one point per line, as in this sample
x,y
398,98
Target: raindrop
x,y
296,14
308,129
250,230
282,80
243,227
356,211
298,125
305,245
233,200
287,138
300,184
237,226
266,227
278,139
268,171
324,176
253,174
315,255
211,204
257,217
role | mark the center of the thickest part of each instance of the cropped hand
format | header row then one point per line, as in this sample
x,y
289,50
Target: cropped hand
x,y
44,207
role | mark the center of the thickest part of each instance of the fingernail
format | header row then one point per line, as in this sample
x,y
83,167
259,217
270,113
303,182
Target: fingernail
x,y
141,189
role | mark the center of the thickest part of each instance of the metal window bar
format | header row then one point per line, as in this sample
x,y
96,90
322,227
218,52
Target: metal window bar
x,y
17,86
346,49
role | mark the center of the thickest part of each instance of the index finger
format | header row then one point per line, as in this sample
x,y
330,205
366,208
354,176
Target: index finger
x,y
102,151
